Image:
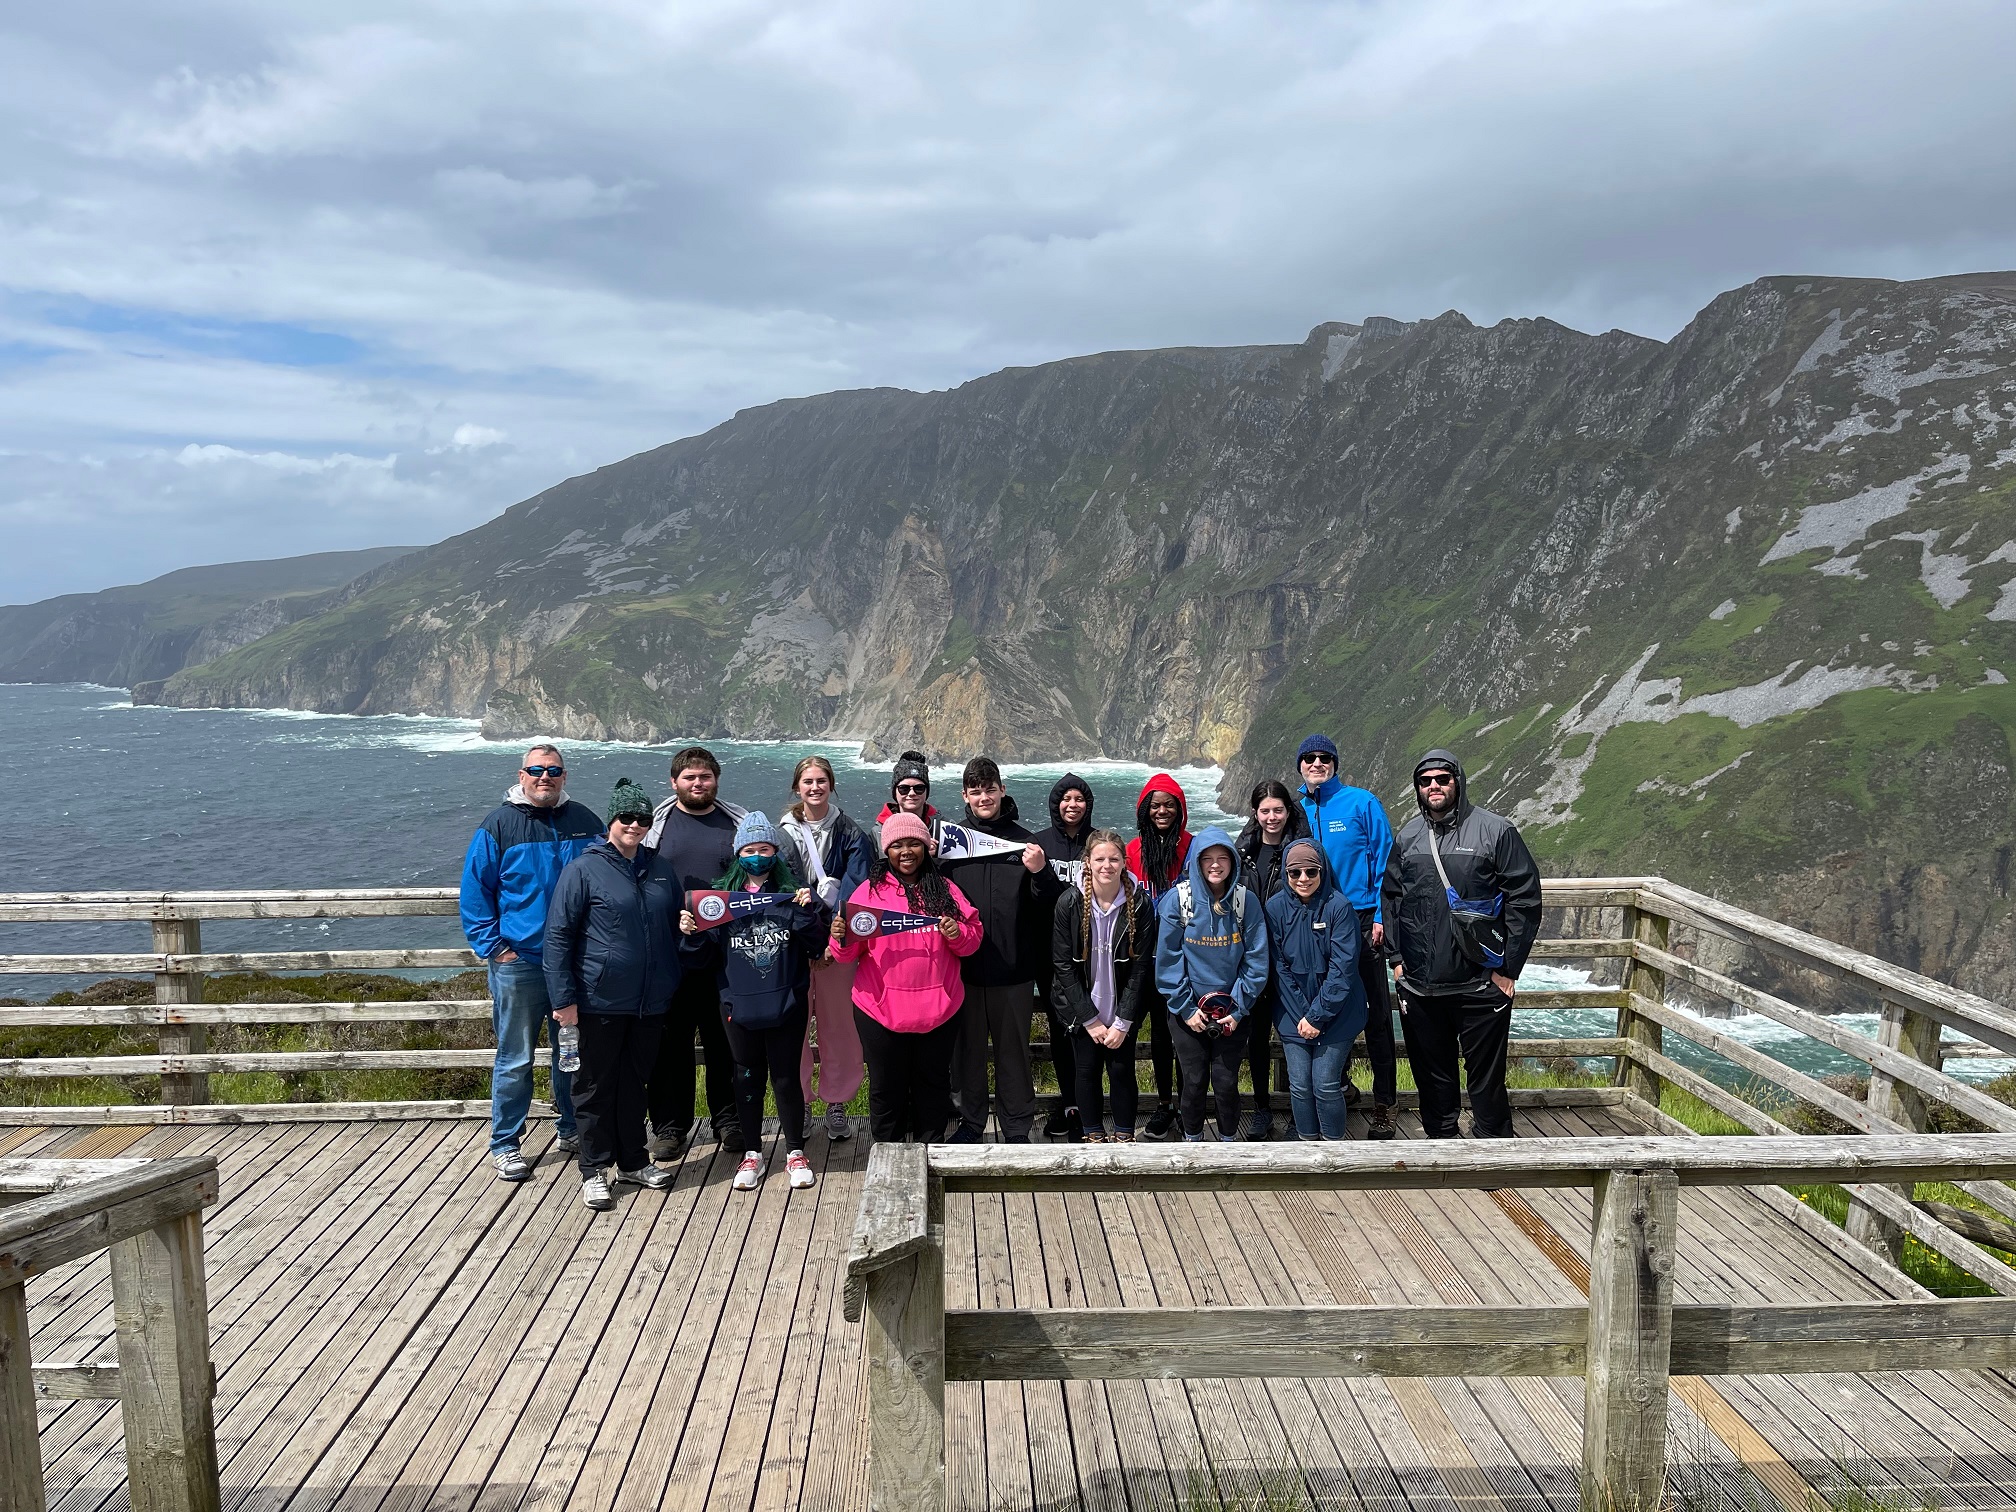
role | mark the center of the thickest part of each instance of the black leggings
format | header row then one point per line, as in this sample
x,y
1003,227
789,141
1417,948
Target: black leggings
x,y
1096,1063
1161,1048
1260,1052
1211,1060
770,1054
616,1049
909,1079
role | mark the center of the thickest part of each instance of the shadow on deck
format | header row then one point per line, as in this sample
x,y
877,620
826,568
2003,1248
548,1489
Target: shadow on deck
x,y
393,1328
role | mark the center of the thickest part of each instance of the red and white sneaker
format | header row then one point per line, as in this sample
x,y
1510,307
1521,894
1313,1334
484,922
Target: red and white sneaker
x,y
750,1171
799,1167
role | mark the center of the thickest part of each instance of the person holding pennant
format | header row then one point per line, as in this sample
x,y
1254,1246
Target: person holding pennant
x,y
757,931
907,928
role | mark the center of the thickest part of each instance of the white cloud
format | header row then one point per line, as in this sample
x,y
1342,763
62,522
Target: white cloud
x,y
370,229
477,437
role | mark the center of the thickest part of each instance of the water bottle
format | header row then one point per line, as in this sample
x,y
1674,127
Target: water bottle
x,y
567,1048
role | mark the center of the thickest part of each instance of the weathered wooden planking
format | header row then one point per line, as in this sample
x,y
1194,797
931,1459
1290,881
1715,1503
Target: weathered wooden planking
x,y
27,1174
44,1232
281,1061
257,1113
148,1015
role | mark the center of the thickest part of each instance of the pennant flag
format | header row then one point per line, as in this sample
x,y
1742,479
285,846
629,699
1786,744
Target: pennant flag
x,y
864,920
956,842
711,907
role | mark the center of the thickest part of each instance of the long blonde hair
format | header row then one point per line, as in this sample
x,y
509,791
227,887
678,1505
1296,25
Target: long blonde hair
x,y
1097,838
805,764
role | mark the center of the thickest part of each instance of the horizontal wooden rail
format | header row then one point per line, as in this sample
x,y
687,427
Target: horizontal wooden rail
x,y
77,1383
149,1015
284,1061
47,1231
85,1115
256,960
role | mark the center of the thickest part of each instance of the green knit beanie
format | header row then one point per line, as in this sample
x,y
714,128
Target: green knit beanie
x,y
629,799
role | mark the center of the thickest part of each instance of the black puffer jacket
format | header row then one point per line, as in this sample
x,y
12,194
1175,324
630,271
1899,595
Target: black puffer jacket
x,y
1009,900
1265,879
1485,858
612,940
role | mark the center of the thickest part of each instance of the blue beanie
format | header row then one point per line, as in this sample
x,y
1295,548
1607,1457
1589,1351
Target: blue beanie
x,y
1315,744
755,827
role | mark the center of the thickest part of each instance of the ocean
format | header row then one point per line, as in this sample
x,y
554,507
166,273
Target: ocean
x,y
111,796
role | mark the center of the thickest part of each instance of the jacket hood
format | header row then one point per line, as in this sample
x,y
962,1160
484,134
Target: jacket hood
x,y
516,795
1009,814
1070,782
1325,886
1440,757
1162,782
1200,889
929,814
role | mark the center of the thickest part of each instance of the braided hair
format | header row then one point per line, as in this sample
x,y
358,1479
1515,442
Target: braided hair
x,y
927,893
1159,847
1127,891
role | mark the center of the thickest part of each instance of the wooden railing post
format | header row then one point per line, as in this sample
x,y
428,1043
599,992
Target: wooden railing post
x,y
1911,1033
906,1374
20,1447
181,937
161,1312
1630,1341
1649,982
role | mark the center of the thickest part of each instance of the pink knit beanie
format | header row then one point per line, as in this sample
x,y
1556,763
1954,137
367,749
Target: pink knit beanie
x,y
905,827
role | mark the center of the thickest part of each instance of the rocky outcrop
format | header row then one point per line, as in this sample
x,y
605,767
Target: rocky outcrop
x,y
1719,606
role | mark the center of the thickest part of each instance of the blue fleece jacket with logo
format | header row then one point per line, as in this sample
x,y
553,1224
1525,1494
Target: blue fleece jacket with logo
x,y
1351,826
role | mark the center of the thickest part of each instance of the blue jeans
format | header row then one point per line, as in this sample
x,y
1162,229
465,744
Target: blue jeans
x,y
1316,1084
518,1007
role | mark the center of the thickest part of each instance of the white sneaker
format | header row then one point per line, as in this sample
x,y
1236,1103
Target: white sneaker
x,y
838,1126
750,1171
799,1167
657,1178
595,1193
510,1166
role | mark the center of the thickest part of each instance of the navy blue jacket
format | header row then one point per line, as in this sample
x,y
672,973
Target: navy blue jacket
x,y
612,933
762,960
1315,948
515,858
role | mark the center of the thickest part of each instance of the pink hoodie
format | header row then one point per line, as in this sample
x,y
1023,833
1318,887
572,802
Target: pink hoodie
x,y
908,982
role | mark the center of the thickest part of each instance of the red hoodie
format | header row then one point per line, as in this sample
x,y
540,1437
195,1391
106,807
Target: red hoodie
x,y
1161,782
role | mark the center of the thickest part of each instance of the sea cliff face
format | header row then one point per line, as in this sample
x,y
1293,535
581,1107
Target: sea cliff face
x,y
1738,607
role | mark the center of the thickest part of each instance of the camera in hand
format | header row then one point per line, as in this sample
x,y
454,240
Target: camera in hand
x,y
1219,1008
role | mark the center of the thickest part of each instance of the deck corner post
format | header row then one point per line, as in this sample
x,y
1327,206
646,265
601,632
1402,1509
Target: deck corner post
x,y
160,1309
1911,1033
20,1445
1630,1341
905,1313
171,989
1642,979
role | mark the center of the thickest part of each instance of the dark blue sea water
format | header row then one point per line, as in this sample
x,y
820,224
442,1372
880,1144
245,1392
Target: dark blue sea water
x,y
112,796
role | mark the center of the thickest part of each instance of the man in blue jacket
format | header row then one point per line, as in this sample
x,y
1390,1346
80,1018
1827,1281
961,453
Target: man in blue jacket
x,y
1351,826
515,857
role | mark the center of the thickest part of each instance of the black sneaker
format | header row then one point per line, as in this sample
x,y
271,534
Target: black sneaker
x,y
729,1135
667,1141
1062,1123
1160,1122
1379,1123
964,1135
1015,1139
1259,1127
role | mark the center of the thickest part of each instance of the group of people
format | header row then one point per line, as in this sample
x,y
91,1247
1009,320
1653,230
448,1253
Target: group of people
x,y
916,951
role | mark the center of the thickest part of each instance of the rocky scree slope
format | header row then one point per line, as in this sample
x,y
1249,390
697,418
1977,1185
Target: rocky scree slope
x,y
1737,607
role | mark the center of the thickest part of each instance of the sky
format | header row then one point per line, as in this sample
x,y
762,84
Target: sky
x,y
278,278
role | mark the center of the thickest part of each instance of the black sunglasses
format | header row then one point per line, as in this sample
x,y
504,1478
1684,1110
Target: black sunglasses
x,y
1305,871
544,771
631,819
1436,779
913,788
1319,759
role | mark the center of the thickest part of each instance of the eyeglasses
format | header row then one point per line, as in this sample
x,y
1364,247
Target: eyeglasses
x,y
1305,871
544,771
1436,779
911,789
631,819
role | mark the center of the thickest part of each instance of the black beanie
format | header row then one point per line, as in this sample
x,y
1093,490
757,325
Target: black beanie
x,y
910,767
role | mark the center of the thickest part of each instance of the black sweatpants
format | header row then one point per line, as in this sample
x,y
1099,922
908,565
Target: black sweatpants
x,y
609,1089
1379,1046
696,1009
1209,1060
769,1055
1095,1064
1475,1024
1161,1048
909,1079
1260,1052
999,1014
1064,1048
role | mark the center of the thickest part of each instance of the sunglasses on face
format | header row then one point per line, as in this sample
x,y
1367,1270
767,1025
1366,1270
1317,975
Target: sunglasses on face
x,y
544,771
640,819
911,789
1436,779
1297,872
1318,761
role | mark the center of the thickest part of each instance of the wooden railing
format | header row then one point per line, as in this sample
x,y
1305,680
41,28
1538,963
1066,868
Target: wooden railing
x,y
148,1213
1627,1343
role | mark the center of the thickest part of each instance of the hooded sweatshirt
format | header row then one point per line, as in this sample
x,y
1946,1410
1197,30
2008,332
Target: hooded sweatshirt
x,y
1012,902
1486,859
908,982
1161,782
1065,851
762,960
514,860
1224,946
1350,824
1315,954
1114,958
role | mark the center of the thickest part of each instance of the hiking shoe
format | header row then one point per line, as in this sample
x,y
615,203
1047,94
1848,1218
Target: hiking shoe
x,y
1258,1127
647,1176
750,1171
1122,1136
1160,1122
1063,1124
1379,1123
1015,1139
729,1135
838,1125
800,1168
964,1135
568,1143
510,1166
595,1193
667,1141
